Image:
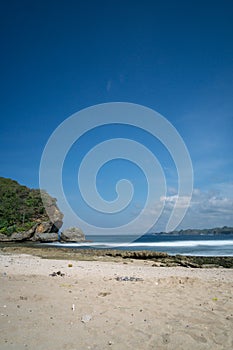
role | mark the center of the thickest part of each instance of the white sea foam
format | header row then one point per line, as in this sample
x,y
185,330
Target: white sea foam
x,y
210,243
184,245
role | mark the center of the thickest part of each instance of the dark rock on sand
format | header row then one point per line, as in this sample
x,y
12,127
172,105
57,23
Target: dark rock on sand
x,y
134,254
45,237
18,236
128,279
30,235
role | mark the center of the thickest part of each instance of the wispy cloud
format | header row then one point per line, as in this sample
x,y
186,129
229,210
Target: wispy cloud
x,y
115,81
109,85
207,209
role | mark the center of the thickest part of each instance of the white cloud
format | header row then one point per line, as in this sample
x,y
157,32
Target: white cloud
x,y
180,201
207,209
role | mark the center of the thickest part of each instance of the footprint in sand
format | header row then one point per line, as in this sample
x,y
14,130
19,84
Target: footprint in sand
x,y
166,338
198,338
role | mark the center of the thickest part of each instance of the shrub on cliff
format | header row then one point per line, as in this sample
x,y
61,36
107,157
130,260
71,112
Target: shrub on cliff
x,y
20,207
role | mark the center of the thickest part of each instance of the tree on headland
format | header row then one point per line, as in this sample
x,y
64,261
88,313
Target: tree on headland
x,y
20,207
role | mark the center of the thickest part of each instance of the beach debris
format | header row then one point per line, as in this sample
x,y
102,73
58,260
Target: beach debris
x,y
229,317
110,342
66,285
73,307
86,318
58,273
70,265
130,279
23,298
103,294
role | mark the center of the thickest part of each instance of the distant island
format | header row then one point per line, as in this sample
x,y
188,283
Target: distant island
x,y
205,231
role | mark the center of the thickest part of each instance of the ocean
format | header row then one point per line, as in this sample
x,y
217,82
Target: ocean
x,y
197,245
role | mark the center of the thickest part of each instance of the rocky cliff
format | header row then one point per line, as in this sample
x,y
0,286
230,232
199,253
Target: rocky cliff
x,y
23,216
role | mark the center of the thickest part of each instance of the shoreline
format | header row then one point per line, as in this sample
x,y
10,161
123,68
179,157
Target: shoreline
x,y
157,258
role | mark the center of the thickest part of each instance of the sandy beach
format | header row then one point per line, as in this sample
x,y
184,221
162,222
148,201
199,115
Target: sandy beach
x,y
77,305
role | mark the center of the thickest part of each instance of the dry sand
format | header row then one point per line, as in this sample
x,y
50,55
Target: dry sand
x,y
88,308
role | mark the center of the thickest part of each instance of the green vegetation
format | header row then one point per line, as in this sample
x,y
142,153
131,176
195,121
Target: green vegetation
x,y
20,207
205,231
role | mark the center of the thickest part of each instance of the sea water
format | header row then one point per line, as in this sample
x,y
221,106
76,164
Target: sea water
x,y
198,245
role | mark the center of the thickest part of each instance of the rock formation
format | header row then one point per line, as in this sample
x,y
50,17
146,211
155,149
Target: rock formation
x,y
72,234
23,216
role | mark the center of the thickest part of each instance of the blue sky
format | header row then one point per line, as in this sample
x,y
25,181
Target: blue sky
x,y
58,57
